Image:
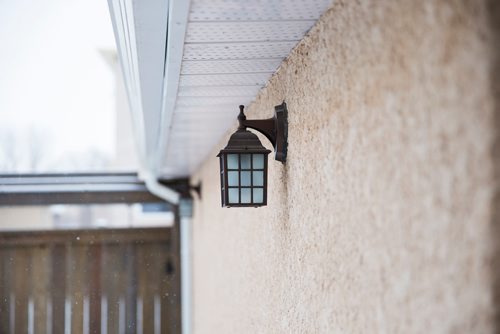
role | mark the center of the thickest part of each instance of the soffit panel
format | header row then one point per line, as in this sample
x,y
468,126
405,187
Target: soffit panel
x,y
220,32
208,101
241,67
214,110
256,10
231,49
256,79
218,91
243,50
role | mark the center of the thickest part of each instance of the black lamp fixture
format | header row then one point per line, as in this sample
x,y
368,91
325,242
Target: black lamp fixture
x,y
243,162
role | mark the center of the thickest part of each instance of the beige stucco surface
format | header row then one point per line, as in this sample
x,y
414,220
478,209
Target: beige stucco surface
x,y
381,219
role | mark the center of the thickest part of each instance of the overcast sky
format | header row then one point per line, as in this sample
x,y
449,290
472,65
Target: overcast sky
x,y
52,75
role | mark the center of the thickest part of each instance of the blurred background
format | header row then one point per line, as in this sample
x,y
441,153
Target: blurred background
x,y
64,109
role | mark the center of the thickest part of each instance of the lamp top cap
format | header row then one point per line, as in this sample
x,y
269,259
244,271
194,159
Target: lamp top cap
x,y
244,141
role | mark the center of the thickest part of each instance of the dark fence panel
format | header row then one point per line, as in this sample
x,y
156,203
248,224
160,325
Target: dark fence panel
x,y
88,281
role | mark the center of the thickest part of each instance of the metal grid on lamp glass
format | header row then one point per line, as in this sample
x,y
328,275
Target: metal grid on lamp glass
x,y
243,179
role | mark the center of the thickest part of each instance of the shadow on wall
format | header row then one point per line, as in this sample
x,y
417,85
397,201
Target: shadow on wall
x,y
494,10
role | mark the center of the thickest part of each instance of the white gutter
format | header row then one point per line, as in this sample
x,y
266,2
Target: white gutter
x,y
141,31
177,25
122,13
124,17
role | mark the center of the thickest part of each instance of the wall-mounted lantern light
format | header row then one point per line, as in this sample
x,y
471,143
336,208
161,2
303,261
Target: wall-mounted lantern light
x,y
243,162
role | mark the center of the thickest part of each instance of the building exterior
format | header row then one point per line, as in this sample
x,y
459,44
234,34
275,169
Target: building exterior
x,y
384,218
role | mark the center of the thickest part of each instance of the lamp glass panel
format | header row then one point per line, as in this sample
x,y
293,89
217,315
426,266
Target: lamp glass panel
x,y
232,179
258,161
258,178
246,180
258,195
232,161
245,161
234,196
246,195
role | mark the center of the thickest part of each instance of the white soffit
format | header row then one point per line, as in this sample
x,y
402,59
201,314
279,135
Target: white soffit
x,y
231,49
188,65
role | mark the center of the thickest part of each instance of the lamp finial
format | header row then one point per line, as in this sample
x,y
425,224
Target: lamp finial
x,y
241,118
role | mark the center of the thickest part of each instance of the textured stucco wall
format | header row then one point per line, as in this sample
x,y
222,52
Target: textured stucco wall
x,y
381,219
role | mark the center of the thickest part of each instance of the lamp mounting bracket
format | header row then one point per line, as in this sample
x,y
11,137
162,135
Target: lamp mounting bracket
x,y
275,129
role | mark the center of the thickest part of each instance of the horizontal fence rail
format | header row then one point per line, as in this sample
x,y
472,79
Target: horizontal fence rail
x,y
88,281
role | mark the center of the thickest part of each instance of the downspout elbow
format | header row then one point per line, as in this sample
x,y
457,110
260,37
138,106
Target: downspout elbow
x,y
160,190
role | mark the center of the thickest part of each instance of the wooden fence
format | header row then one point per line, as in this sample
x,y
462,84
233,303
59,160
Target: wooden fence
x,y
89,281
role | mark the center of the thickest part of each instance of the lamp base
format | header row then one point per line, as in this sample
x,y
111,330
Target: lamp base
x,y
281,127
275,129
